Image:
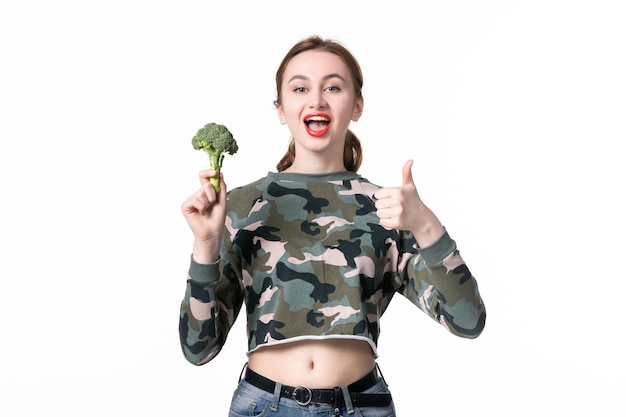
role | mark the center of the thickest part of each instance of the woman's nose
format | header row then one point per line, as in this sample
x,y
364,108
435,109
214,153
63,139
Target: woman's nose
x,y
317,100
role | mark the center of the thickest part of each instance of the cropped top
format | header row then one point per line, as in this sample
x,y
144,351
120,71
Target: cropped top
x,y
308,258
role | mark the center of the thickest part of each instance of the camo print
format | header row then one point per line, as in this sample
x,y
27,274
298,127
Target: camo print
x,y
307,257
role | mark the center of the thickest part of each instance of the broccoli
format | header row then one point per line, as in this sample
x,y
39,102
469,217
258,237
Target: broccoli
x,y
215,140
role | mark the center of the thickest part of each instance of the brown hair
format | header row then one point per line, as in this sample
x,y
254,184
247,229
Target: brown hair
x,y
352,153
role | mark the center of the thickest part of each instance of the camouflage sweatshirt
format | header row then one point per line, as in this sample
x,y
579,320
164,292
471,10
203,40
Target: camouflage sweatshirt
x,y
308,258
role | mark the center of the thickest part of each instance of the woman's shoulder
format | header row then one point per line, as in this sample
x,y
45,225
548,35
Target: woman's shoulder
x,y
252,188
252,191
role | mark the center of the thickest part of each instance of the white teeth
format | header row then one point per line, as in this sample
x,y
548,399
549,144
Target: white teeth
x,y
317,119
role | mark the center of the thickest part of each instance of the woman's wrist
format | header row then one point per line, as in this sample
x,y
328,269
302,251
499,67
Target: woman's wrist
x,y
205,251
429,230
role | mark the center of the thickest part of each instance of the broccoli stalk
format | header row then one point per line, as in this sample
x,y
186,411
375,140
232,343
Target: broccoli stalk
x,y
216,140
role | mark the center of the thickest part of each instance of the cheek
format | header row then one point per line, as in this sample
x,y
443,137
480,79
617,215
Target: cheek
x,y
291,115
350,112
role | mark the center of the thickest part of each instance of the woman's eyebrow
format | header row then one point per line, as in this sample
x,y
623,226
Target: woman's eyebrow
x,y
325,78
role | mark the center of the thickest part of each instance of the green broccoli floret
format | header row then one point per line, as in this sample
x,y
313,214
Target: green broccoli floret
x,y
216,140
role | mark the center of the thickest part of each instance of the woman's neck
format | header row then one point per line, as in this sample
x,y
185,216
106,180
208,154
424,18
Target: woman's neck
x,y
315,166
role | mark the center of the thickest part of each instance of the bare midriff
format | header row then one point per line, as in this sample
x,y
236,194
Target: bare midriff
x,y
314,363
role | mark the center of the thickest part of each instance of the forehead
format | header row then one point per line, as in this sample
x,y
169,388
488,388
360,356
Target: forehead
x,y
316,64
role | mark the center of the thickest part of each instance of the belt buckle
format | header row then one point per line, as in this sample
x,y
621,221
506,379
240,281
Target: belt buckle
x,y
302,395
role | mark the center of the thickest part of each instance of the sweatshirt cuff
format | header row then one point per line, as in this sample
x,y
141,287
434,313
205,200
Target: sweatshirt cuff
x,y
204,273
438,251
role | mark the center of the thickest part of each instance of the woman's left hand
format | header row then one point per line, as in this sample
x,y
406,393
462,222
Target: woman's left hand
x,y
402,208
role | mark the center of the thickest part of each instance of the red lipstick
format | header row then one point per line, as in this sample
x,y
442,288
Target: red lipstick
x,y
317,124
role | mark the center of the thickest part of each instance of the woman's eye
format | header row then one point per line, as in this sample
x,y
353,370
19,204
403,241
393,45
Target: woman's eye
x,y
299,90
333,88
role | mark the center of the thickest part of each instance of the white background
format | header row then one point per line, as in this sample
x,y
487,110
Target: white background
x,y
513,111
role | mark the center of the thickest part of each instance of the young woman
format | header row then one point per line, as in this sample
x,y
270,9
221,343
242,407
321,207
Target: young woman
x,y
315,252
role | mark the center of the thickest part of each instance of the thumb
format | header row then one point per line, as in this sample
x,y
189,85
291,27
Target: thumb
x,y
407,176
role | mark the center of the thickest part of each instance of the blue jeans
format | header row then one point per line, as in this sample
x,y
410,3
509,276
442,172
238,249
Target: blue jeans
x,y
250,401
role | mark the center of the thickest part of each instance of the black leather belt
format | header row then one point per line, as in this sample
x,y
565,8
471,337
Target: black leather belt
x,y
303,395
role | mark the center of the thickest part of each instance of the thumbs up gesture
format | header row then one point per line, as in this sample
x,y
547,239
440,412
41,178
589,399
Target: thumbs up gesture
x,y
402,208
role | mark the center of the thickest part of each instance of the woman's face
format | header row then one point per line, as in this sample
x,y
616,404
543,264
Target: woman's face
x,y
318,102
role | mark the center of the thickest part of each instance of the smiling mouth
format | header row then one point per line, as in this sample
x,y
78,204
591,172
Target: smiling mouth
x,y
317,125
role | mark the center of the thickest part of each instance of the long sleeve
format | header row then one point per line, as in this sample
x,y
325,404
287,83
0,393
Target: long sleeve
x,y
438,281
309,258
208,311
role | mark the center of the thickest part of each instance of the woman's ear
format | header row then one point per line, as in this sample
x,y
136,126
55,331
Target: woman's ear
x,y
281,115
358,109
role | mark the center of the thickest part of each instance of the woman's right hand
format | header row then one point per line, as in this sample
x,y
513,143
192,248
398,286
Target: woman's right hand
x,y
205,212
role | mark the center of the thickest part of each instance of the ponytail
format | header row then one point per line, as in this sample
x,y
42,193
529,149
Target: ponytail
x,y
352,152
288,158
